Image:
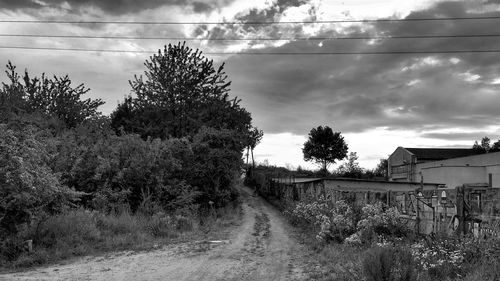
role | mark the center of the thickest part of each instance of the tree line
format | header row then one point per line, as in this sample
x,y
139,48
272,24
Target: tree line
x,y
176,142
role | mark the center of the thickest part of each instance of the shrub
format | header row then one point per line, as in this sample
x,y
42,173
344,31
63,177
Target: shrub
x,y
11,248
30,188
389,264
334,221
377,221
440,259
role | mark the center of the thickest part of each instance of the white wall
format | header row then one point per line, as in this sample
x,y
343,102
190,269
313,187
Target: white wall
x,y
457,171
455,176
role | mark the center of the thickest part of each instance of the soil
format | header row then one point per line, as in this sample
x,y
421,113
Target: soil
x,y
262,247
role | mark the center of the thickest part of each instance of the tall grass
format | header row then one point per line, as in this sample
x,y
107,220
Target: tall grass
x,y
82,232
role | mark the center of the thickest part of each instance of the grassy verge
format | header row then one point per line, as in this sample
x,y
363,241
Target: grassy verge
x,y
81,232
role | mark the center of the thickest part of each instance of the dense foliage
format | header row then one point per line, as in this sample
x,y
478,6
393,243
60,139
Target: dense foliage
x,y
29,187
174,149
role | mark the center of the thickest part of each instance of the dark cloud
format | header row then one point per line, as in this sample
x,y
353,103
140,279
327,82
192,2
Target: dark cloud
x,y
116,7
358,92
18,4
273,13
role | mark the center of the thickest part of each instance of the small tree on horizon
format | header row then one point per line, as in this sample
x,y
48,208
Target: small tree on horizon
x,y
255,136
324,147
484,147
351,168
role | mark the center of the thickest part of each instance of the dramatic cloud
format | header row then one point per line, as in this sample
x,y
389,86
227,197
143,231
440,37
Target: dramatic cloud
x,y
114,7
359,92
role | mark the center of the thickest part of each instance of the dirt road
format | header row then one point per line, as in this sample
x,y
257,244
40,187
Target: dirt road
x,y
261,248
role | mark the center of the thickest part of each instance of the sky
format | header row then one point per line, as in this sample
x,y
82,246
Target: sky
x,y
377,101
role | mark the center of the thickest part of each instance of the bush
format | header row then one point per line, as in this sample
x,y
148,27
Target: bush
x,y
333,221
440,259
376,221
11,248
30,189
389,264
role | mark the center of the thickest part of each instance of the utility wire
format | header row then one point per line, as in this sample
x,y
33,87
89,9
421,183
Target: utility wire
x,y
250,22
261,53
251,39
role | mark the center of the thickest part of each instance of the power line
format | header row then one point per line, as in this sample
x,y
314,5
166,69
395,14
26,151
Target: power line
x,y
252,39
249,22
260,53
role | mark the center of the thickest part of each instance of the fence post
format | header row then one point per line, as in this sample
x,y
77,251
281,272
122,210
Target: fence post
x,y
460,210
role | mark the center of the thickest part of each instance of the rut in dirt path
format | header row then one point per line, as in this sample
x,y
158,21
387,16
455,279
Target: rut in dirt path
x,y
261,248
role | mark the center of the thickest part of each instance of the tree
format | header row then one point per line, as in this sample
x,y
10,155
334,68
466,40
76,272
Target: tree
x,y
324,147
351,168
495,147
255,137
216,164
381,169
54,97
484,147
181,92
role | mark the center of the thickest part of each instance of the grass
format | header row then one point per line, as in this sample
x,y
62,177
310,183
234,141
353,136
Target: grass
x,y
81,232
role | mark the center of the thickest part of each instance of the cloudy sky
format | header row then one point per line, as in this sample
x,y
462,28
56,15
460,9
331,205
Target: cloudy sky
x,y
432,98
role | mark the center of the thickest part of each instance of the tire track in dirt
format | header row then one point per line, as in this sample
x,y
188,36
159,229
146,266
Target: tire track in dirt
x,y
261,248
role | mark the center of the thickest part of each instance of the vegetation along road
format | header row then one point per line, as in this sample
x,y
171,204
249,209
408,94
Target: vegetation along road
x,y
261,248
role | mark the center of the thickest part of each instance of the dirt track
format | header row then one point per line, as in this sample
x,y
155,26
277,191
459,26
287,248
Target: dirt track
x,y
260,249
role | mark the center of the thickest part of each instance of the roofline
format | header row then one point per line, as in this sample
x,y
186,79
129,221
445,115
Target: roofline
x,y
367,180
405,148
473,155
382,181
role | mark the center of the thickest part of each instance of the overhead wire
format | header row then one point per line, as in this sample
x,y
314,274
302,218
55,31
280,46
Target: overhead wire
x,y
249,22
261,53
251,39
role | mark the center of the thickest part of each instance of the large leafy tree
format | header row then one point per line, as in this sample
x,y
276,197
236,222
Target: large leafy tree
x,y
181,91
324,147
52,97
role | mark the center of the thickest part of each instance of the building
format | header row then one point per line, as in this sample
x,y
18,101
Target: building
x,y
450,167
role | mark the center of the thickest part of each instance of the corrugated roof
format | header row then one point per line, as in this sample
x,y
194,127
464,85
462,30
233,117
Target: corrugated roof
x,y
441,153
